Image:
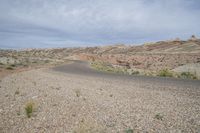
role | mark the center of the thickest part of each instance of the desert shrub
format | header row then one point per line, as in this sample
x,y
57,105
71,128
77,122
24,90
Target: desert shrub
x,y
34,62
159,116
18,112
19,64
13,65
16,92
78,93
29,109
165,73
135,72
106,67
188,75
102,66
9,68
132,72
129,131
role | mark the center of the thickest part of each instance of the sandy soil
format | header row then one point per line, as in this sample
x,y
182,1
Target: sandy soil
x,y
67,102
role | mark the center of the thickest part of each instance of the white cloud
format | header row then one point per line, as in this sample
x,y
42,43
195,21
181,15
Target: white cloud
x,y
102,21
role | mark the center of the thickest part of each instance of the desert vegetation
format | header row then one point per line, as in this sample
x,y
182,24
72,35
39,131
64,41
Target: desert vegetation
x,y
106,67
159,116
188,75
29,109
165,73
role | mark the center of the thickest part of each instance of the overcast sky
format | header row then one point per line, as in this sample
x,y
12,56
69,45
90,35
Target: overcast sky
x,y
69,23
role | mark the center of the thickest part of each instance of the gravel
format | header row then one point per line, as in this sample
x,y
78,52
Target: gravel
x,y
77,103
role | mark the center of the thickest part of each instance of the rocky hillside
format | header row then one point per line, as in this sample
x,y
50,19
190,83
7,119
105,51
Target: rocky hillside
x,y
149,56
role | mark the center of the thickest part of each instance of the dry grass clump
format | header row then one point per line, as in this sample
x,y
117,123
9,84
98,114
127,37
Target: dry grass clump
x,y
159,116
16,92
188,75
106,67
9,68
129,131
29,108
165,73
78,93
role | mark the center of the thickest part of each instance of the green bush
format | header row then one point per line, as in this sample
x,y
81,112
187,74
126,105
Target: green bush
x,y
29,109
165,73
188,75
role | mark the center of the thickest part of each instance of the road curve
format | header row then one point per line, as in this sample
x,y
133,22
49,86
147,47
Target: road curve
x,y
83,68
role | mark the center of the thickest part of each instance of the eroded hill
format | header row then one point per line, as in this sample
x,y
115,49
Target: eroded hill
x,y
149,58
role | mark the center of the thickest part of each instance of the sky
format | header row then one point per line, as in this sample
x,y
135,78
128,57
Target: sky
x,y
74,23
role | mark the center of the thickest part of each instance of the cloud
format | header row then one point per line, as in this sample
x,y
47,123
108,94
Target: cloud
x,y
51,23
